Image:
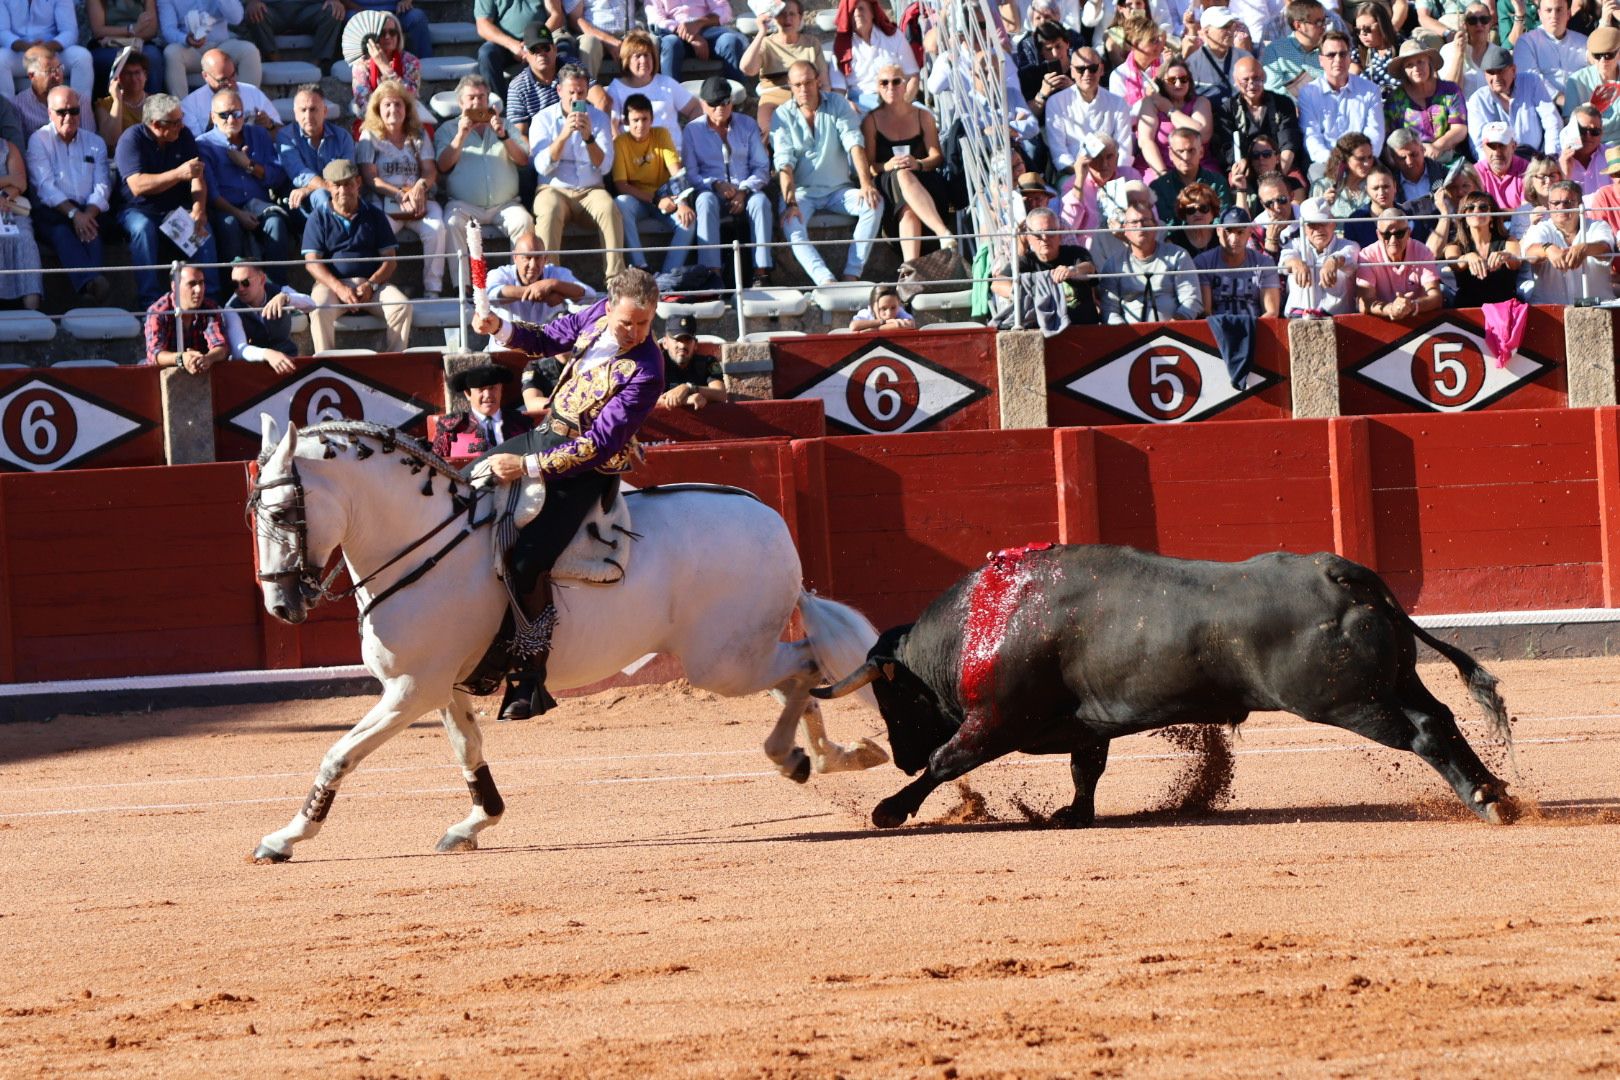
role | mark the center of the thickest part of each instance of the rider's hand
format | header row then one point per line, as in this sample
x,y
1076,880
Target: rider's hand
x,y
506,467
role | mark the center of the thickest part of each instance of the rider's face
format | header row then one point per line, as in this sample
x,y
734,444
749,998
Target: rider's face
x,y
630,322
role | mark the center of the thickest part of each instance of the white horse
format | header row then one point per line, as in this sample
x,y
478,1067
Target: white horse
x,y
713,581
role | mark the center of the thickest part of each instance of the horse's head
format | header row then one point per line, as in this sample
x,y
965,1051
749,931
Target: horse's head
x,y
292,547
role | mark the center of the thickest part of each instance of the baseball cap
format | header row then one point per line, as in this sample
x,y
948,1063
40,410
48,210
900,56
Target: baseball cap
x,y
685,326
338,170
1217,17
536,33
716,90
1315,212
1234,215
1496,133
1495,59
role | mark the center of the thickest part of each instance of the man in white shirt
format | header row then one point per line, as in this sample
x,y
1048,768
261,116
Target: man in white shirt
x,y
1338,103
1523,104
1085,107
67,172
1567,253
572,151
1318,266
219,73
530,289
1552,50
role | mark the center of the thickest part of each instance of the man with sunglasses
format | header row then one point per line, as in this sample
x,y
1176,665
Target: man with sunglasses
x,y
1254,111
242,168
160,171
1568,253
1581,149
1083,108
1338,103
1552,50
1522,104
219,73
259,318
67,171
1602,49
1275,225
535,87
1395,277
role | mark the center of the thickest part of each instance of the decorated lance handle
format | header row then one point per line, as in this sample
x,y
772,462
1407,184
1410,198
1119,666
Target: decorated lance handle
x,y
480,270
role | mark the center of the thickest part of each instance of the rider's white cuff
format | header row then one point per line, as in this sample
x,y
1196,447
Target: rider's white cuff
x,y
503,335
531,466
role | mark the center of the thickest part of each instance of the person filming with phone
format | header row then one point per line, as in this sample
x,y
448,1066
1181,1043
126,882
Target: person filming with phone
x,y
480,158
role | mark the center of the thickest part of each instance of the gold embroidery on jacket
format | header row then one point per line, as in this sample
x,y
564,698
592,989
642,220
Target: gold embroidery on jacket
x,y
581,399
579,450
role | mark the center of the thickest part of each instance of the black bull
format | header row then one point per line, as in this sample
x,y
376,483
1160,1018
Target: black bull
x,y
1054,650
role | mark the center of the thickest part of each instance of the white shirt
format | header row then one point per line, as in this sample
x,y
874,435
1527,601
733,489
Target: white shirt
x,y
197,109
668,98
1070,118
240,349
1554,61
1257,16
1339,300
60,171
533,311
866,57
1564,287
1530,115
1326,115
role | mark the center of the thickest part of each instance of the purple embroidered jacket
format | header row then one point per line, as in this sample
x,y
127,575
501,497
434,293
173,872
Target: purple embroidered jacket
x,y
608,403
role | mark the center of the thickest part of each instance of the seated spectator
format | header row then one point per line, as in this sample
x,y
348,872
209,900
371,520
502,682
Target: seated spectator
x,y
1434,109
259,318
1523,104
1374,45
305,148
1150,281
52,28
883,311
1415,175
1115,198
159,172
1214,61
700,28
44,75
866,41
1462,59
1252,113
242,168
18,249
323,20
902,143
1552,50
1186,154
1294,60
599,28
219,73
418,27
120,110
67,171
1581,149
692,377
671,102
349,249
821,164
192,26
529,289
1196,208
386,58
1339,104
1539,178
1244,177
1361,227
1605,204
480,159
1320,265
1096,165
1486,257
1247,283
535,87
1047,73
1034,192
727,164
1086,108
645,162
778,45
396,159
1344,181
1461,180
191,342
1501,171
119,24
1170,107
573,154
1276,223
488,420
1042,251
504,26
1568,255
1396,277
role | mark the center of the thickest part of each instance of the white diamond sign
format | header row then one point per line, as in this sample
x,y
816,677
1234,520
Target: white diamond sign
x,y
1167,379
46,426
328,392
1444,367
884,389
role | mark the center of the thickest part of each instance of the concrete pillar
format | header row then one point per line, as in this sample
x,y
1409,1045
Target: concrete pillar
x,y
1589,356
1021,378
461,361
188,417
1314,367
749,370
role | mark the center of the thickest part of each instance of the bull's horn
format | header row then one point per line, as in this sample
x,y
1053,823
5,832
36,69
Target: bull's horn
x,y
849,684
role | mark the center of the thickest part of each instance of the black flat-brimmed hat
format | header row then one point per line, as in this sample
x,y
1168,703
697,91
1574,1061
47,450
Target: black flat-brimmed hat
x,y
480,375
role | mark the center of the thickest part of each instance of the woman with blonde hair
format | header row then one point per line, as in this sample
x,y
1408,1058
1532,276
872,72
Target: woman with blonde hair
x,y
902,145
397,163
639,63
1134,79
386,58
1539,178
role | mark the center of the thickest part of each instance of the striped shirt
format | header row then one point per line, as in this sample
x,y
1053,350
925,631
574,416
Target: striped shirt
x,y
525,97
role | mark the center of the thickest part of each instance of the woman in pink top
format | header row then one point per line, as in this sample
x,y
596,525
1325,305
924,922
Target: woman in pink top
x,y
1173,105
1133,79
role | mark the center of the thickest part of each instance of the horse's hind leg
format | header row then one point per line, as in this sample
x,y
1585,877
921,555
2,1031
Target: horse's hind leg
x,y
403,700
827,756
798,707
468,742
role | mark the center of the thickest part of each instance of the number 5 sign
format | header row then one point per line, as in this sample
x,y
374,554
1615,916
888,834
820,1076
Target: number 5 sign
x,y
1167,378
46,425
1445,367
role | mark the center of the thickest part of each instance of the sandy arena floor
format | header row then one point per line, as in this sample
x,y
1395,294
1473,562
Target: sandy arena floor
x,y
658,901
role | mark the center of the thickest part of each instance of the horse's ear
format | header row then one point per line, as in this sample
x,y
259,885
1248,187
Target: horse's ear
x,y
270,433
281,455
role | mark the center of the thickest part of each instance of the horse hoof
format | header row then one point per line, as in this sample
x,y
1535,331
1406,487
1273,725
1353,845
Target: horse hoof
x,y
798,767
885,816
455,842
264,855
869,755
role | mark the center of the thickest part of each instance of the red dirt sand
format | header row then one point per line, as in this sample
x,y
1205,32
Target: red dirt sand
x,y
657,901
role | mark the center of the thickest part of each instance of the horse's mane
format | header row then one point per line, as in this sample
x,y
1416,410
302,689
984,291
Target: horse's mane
x,y
389,440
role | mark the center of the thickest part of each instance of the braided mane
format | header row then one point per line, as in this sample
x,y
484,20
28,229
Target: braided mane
x,y
389,438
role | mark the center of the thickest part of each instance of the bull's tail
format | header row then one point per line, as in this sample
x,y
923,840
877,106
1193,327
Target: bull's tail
x,y
839,638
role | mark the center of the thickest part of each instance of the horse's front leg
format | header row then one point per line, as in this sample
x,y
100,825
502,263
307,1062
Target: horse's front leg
x,y
468,742
403,700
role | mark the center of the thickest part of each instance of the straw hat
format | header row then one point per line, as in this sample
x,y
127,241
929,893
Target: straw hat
x,y
1413,50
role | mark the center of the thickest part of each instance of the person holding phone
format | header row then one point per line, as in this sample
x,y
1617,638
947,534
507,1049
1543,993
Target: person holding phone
x,y
479,159
572,149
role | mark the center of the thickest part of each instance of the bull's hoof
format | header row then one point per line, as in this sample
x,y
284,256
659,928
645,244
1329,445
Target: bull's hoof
x,y
452,841
264,855
888,816
1503,811
1068,817
798,767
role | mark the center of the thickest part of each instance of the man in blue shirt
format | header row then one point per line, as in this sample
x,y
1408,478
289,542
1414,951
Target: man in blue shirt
x,y
725,160
161,171
241,169
304,148
820,157
571,145
349,249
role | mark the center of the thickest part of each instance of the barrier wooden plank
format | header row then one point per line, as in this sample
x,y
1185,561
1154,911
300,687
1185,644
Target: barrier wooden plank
x,y
737,420
1164,373
80,418
1439,364
1606,423
913,380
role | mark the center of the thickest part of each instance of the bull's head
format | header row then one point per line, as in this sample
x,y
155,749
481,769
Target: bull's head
x,y
911,710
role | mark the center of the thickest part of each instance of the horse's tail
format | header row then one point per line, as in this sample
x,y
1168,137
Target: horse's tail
x,y
839,637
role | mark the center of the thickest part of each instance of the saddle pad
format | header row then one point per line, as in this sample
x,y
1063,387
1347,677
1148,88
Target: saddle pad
x,y
587,558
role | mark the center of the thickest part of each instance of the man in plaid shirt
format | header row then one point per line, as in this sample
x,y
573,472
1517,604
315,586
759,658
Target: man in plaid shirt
x,y
205,343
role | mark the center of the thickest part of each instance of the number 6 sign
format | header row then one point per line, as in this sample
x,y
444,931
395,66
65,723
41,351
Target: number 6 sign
x,y
46,425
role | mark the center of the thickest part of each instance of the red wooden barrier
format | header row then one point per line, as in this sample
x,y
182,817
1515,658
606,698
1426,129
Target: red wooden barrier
x,y
1167,373
396,389
918,380
737,420
1439,364
78,418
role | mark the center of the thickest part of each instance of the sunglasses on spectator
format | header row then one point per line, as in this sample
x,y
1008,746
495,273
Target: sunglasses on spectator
x,y
1340,55
1477,208
1281,200
1394,234
1262,151
891,82
166,123
229,114
1603,55
241,282
1199,208
1367,29
65,112
1176,80
1590,133
1086,69
1477,20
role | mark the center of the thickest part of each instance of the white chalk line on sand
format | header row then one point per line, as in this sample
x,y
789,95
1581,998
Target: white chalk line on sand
x,y
701,778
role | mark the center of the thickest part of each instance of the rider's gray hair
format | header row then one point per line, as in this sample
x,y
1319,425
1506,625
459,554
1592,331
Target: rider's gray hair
x,y
158,106
633,284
